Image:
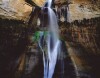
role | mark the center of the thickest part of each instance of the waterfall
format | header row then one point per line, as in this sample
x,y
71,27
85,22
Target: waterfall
x,y
52,44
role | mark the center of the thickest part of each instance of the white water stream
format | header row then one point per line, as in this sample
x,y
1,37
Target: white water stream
x,y
53,43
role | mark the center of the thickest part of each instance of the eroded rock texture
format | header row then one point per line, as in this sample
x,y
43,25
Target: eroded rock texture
x,y
20,9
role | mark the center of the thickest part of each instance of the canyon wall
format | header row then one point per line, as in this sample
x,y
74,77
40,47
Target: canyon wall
x,y
19,9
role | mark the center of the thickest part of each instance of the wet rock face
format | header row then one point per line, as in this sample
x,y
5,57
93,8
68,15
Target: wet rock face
x,y
81,34
84,32
82,40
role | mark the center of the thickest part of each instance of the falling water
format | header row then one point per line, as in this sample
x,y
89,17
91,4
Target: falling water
x,y
52,43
